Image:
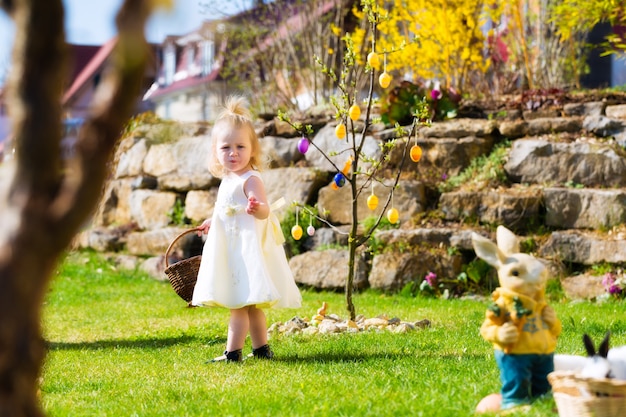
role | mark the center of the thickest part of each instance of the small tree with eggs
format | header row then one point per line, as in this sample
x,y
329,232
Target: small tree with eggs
x,y
349,111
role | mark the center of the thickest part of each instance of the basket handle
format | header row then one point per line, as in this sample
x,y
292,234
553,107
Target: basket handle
x,y
167,252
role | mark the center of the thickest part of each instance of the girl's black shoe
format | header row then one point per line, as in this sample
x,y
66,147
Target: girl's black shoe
x,y
234,356
263,352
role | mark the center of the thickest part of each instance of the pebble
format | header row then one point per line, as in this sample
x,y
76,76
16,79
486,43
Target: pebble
x,y
332,324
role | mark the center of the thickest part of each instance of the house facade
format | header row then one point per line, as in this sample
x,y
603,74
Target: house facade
x,y
188,86
197,71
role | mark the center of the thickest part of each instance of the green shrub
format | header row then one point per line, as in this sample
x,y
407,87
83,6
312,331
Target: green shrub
x,y
408,100
306,215
485,171
177,214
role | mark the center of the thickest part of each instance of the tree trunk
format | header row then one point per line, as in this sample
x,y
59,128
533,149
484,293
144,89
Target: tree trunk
x,y
47,199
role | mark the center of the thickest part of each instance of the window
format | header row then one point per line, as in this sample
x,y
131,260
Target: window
x,y
191,55
208,50
169,63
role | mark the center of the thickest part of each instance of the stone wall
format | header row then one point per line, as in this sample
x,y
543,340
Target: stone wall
x,y
566,172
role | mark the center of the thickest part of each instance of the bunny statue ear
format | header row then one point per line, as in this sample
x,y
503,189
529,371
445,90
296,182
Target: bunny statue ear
x,y
603,350
487,250
507,241
589,346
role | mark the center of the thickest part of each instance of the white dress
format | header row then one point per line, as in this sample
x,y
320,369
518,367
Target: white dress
x,y
243,261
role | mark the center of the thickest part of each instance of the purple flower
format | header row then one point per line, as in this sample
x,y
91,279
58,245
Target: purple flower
x,y
608,281
435,94
431,278
614,289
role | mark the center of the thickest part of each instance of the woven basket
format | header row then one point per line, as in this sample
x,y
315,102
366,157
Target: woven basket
x,y
183,274
578,396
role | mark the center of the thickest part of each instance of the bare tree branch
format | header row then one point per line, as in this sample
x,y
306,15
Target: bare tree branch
x,y
47,199
7,6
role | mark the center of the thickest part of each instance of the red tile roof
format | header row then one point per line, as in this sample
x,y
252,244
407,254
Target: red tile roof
x,y
183,84
80,55
91,69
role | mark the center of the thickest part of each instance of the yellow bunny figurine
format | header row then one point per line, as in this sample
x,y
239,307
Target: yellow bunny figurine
x,y
521,326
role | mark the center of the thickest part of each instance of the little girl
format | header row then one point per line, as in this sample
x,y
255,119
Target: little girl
x,y
244,267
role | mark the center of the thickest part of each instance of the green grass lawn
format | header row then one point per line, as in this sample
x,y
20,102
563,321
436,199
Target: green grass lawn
x,y
122,344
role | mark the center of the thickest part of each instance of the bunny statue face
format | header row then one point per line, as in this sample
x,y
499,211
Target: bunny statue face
x,y
518,272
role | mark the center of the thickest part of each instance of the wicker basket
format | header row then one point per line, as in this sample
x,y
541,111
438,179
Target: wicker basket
x,y
183,274
578,396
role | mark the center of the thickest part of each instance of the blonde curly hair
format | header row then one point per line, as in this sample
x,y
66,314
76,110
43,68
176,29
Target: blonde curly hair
x,y
234,115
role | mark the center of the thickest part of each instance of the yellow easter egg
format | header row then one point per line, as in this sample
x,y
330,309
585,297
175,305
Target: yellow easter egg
x,y
372,202
296,232
340,131
384,80
373,60
354,112
416,153
393,215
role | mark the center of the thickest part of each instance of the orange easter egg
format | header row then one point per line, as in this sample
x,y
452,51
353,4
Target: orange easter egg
x,y
346,167
296,232
416,153
490,404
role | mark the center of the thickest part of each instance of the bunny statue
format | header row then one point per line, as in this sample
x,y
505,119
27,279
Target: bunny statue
x,y
521,326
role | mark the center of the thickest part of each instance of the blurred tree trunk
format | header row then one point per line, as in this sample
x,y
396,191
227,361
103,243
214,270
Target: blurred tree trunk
x,y
46,199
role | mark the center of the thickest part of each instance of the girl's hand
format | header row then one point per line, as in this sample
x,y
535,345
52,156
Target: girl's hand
x,y
257,201
253,205
204,227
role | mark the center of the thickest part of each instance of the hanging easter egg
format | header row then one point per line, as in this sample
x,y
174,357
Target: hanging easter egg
x,y
416,153
310,230
340,131
372,202
384,80
334,186
346,166
373,60
296,232
354,112
393,215
339,179
303,144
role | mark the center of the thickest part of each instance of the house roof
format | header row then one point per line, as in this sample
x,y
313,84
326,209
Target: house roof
x,y
90,70
181,85
87,67
80,55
